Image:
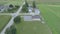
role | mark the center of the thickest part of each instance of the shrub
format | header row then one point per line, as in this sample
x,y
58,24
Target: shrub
x,y
11,6
17,6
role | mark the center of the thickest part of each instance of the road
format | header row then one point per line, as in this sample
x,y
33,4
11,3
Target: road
x,y
11,21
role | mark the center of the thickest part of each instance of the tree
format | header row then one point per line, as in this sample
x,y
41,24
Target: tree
x,y
11,6
7,31
25,9
26,3
34,5
17,19
11,30
17,6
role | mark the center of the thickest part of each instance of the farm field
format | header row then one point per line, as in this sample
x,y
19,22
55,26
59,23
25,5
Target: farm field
x,y
32,27
51,15
3,21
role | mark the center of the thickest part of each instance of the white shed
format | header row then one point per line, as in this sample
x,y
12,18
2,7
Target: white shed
x,y
27,18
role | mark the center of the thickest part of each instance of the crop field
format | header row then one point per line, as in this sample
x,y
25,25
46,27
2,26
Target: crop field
x,y
51,14
3,21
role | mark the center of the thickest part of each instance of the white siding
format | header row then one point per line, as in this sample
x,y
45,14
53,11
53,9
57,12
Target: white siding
x,y
27,18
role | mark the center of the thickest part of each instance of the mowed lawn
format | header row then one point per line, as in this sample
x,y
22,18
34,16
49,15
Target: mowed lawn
x,y
51,15
3,21
32,27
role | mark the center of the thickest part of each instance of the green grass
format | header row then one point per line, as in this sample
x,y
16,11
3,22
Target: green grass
x,y
53,2
18,2
51,16
14,2
3,21
32,27
56,10
14,10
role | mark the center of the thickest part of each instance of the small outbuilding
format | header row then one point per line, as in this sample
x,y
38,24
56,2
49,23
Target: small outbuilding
x,y
27,18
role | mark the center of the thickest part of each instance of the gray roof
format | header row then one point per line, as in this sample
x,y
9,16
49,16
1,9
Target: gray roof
x,y
36,17
1,7
36,11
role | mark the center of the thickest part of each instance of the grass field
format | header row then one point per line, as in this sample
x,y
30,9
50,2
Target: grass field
x,y
51,15
32,27
18,2
14,2
3,21
53,2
